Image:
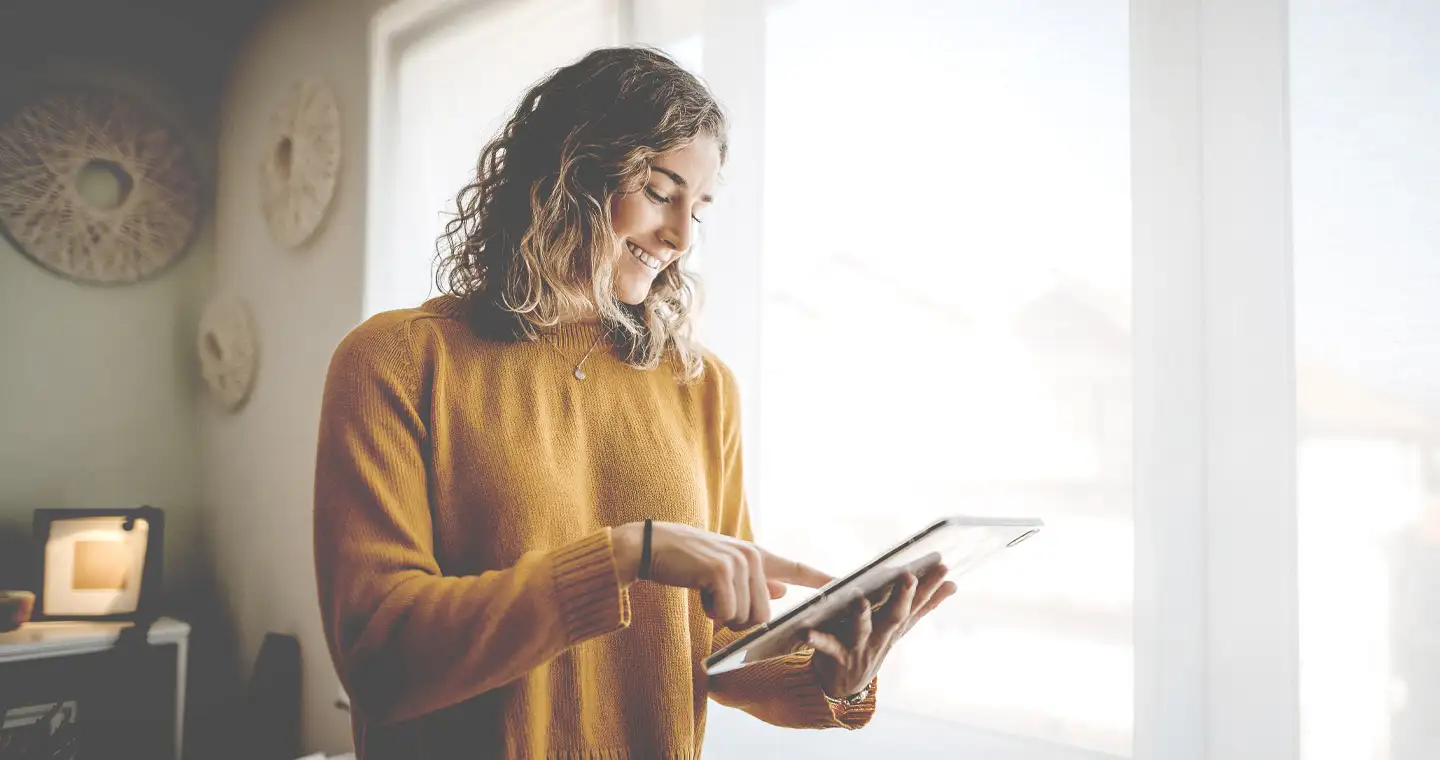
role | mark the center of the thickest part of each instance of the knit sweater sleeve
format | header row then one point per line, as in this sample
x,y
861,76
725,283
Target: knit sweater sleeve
x,y
784,691
405,638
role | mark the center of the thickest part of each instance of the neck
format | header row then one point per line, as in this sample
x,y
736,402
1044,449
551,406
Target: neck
x,y
586,316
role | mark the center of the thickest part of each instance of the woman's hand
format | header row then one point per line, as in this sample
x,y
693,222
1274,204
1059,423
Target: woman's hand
x,y
847,659
736,578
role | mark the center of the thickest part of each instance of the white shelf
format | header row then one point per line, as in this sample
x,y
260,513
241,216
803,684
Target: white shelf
x,y
34,641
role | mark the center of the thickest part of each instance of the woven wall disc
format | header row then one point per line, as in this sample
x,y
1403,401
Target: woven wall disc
x,y
302,161
229,351
95,188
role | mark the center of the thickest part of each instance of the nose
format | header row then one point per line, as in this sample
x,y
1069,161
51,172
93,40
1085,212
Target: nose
x,y
678,235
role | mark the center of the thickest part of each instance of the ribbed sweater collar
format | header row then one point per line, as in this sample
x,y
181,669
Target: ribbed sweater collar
x,y
574,336
570,336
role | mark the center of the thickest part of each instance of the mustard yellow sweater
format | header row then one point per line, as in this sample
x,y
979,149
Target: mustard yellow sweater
x,y
464,495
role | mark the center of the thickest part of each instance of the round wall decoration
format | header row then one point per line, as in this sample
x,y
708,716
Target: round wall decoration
x,y
301,163
95,188
229,351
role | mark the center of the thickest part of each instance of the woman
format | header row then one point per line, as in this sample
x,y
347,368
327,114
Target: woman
x,y
530,528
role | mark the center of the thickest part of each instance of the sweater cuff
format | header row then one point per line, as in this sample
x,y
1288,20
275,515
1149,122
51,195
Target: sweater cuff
x,y
587,587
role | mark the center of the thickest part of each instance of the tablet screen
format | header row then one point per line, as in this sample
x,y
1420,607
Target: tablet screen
x,y
959,543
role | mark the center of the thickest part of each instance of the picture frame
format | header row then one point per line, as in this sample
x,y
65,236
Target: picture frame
x,y
98,564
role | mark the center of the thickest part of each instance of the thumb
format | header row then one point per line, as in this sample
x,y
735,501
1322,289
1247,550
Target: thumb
x,y
778,568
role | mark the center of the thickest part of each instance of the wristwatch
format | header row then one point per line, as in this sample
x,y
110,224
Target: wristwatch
x,y
845,703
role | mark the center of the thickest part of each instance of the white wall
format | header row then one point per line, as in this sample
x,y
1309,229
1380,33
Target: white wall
x,y
259,464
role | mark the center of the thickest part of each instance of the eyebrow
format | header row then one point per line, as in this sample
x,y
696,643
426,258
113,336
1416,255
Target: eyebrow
x,y
679,180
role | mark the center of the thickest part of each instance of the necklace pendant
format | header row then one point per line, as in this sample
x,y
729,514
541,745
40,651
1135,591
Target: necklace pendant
x,y
579,374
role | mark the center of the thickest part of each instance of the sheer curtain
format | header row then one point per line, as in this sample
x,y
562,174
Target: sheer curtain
x,y
1365,115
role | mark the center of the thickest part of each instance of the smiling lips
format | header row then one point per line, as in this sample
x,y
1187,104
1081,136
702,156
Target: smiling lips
x,y
644,258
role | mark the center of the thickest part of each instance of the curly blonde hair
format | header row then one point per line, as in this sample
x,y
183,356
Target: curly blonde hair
x,y
532,243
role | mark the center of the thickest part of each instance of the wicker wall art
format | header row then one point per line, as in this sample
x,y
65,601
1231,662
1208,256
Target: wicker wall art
x,y
229,351
302,161
95,188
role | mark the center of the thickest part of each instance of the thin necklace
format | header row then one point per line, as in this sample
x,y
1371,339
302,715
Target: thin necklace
x,y
579,373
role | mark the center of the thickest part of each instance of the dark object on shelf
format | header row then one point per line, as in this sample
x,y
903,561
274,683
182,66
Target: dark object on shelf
x,y
98,564
15,609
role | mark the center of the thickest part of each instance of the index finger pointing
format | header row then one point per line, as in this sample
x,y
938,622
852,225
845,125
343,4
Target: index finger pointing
x,y
789,571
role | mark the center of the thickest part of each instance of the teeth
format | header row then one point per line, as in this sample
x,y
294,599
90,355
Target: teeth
x,y
645,258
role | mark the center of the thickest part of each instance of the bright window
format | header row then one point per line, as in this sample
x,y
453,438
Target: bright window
x,y
1365,113
945,329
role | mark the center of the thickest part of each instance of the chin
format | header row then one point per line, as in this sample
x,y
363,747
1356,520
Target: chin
x,y
631,298
634,296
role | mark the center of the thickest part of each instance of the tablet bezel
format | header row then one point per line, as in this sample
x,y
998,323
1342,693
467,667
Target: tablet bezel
x,y
754,635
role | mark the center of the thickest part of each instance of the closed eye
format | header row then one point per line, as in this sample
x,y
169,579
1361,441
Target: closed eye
x,y
662,199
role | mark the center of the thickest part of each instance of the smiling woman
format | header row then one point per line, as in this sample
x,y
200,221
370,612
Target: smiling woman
x,y
525,540
570,184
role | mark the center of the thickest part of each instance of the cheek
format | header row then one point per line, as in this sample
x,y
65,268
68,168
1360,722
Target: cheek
x,y
628,215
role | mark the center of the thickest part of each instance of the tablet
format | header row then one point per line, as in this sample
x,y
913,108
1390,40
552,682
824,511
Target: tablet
x,y
959,543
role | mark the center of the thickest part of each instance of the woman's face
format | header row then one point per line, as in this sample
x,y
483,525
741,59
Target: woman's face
x,y
657,224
